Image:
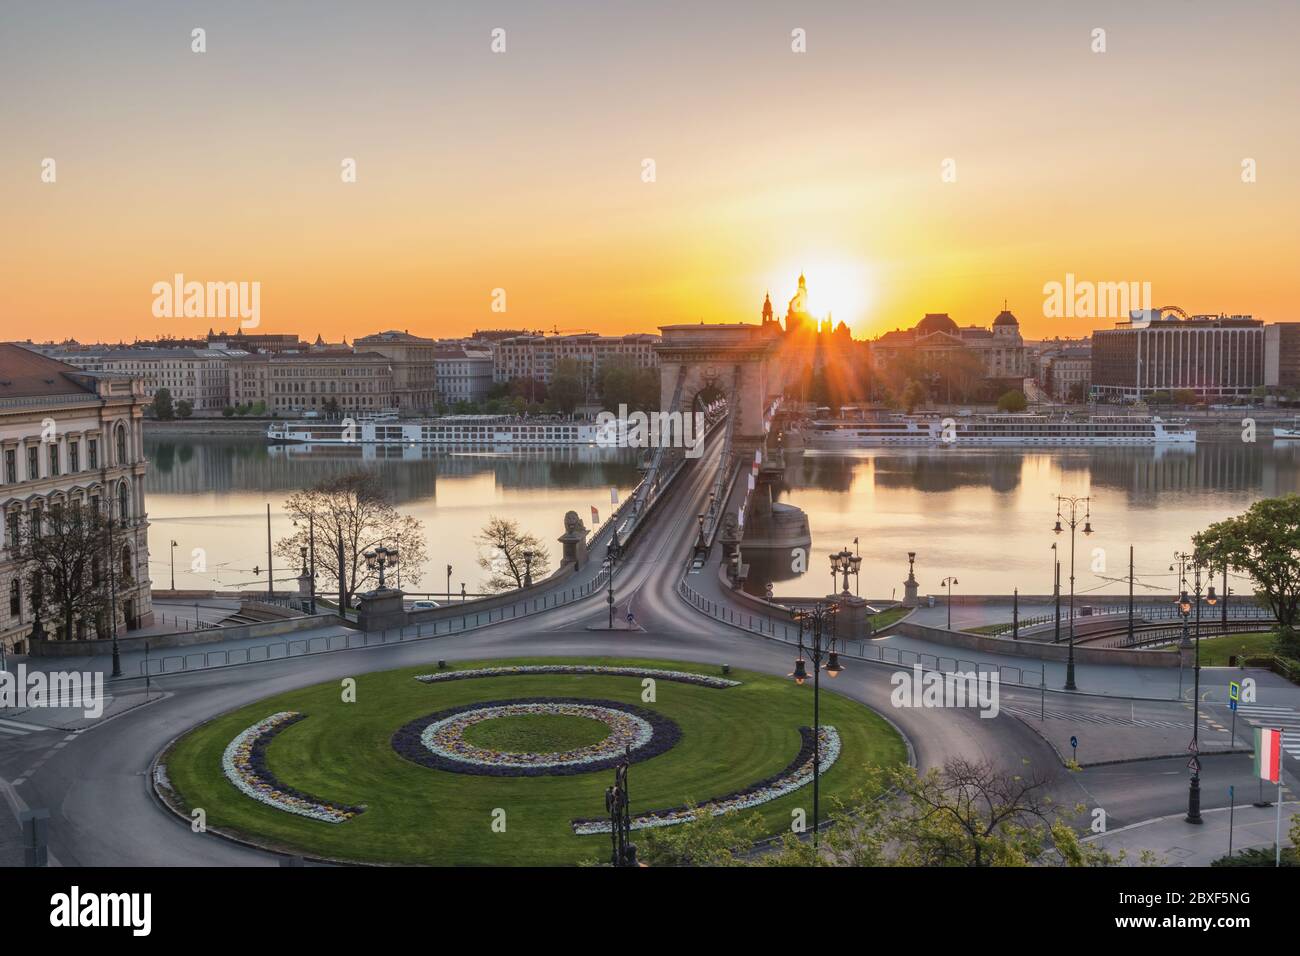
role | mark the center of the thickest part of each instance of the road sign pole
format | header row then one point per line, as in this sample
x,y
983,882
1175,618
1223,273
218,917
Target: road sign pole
x,y
1232,809
1278,855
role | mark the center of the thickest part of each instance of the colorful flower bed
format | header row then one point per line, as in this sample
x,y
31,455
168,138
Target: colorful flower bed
x,y
681,677
438,741
797,774
244,762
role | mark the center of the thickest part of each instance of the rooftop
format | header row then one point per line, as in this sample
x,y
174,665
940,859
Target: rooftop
x,y
26,374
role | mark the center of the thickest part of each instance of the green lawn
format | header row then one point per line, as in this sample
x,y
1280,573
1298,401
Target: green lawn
x,y
887,617
731,739
540,733
1216,650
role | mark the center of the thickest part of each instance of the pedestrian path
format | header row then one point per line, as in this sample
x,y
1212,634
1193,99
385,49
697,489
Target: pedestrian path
x,y
17,728
1285,719
1109,719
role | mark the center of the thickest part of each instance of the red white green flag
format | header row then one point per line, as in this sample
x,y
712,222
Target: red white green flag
x,y
1268,754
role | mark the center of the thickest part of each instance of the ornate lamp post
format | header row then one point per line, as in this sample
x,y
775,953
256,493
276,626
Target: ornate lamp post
x,y
948,583
611,562
1074,505
379,560
617,802
699,544
821,620
528,569
1185,607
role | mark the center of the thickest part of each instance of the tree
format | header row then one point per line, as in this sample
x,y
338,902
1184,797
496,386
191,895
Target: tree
x,y
569,384
354,505
184,409
623,382
1265,544
228,411
913,395
162,405
66,552
504,560
708,840
1013,401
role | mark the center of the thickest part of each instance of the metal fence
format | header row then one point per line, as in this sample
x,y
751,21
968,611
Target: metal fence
x,y
863,649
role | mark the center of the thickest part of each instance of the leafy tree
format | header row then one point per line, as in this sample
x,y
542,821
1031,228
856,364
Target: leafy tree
x,y
504,560
355,506
708,840
913,395
569,384
1013,401
1264,543
162,405
1183,396
623,382
184,408
228,411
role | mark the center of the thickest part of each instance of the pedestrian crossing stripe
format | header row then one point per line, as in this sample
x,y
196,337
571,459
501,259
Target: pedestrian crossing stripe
x,y
16,728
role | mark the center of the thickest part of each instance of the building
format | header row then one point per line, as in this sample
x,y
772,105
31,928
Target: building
x,y
1066,373
464,374
70,438
238,341
415,373
1282,356
1001,349
196,375
1215,356
317,382
536,356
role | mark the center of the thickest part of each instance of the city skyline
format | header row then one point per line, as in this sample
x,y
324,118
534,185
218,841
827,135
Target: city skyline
x,y
522,174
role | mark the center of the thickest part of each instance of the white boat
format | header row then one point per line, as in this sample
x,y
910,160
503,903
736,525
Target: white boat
x,y
1016,429
462,430
1287,432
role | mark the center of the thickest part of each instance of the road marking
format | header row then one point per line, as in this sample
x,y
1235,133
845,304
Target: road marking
x,y
1107,719
17,727
1284,718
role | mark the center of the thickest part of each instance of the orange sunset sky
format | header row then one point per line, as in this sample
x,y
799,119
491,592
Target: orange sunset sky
x,y
522,170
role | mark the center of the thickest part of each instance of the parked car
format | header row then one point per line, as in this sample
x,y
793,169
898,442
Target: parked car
x,y
423,605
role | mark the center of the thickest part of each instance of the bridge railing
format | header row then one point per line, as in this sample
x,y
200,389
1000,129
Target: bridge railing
x,y
765,626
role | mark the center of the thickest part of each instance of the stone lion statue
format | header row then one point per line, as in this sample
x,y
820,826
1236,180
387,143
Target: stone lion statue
x,y
573,524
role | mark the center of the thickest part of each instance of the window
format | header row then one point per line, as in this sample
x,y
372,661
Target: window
x,y
126,563
15,599
123,502
11,529
121,444
11,466
33,464
92,452
74,456
54,459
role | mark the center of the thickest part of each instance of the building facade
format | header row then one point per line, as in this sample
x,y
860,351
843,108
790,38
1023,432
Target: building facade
x,y
1066,374
1215,356
415,373
68,438
1001,349
536,356
318,382
464,374
1282,356
199,376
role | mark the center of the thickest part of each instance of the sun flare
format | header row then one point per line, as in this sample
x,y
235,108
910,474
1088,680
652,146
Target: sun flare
x,y
841,288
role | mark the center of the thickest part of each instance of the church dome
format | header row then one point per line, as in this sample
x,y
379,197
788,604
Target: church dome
x,y
1005,318
936,322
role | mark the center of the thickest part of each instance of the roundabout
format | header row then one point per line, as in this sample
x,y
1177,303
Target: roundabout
x,y
508,763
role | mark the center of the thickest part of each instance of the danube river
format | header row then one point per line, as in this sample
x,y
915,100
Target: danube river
x,y
981,515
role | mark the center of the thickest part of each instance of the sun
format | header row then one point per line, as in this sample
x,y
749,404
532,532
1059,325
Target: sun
x,y
845,289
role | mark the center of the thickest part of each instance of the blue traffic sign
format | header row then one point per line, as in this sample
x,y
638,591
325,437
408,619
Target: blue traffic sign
x,y
1074,742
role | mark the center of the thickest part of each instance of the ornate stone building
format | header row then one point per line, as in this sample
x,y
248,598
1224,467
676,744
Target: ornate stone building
x,y
1001,349
67,438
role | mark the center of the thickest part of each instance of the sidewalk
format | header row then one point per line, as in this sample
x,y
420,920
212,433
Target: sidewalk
x,y
1179,843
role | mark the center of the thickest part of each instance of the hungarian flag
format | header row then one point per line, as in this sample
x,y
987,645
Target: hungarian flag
x,y
595,515
1268,754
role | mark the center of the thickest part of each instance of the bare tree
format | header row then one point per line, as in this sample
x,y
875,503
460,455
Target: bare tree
x,y
66,553
504,560
354,509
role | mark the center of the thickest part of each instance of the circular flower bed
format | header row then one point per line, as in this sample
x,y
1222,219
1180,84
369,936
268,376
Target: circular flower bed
x,y
244,763
797,774
438,740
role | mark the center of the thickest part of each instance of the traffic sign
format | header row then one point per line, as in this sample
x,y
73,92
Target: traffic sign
x,y
1194,764
1234,691
1074,742
1232,704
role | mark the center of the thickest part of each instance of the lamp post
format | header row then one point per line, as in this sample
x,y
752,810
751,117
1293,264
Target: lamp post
x,y
449,584
1184,606
842,563
699,545
528,569
1074,504
1056,592
379,560
821,619
173,557
857,563
611,561
948,583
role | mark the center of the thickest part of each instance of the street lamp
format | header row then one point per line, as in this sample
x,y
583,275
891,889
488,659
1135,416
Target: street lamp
x,y
1185,607
948,583
611,561
700,544
173,557
380,559
821,618
842,563
528,569
1073,521
449,584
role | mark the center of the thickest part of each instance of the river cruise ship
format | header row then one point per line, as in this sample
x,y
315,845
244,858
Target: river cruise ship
x,y
459,430
1023,430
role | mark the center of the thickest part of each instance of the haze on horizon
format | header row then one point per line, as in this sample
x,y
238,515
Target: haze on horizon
x,y
523,170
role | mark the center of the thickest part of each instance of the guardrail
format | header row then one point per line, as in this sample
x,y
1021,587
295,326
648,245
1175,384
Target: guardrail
x,y
325,643
862,649
1155,636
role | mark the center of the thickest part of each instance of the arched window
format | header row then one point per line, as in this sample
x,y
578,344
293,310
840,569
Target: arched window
x,y
121,443
123,502
126,562
15,599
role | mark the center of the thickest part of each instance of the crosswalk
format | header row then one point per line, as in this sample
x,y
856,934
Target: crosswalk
x,y
17,728
1108,719
1284,718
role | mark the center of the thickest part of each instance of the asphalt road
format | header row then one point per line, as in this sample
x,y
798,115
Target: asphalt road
x,y
102,812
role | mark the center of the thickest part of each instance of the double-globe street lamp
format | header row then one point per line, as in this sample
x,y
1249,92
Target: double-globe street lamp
x,y
1184,604
821,627
1073,504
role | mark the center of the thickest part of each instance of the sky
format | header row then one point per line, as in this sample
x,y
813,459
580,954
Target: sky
x,y
916,157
